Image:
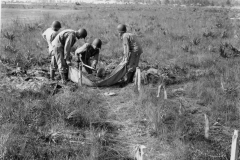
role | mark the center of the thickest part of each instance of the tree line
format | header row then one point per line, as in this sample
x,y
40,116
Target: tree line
x,y
186,2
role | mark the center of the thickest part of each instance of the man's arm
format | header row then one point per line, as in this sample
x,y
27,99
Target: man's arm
x,y
53,36
95,59
126,48
44,36
68,46
81,49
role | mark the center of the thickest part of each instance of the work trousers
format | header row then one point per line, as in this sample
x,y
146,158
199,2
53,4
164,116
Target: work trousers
x,y
53,64
88,62
59,57
133,61
131,66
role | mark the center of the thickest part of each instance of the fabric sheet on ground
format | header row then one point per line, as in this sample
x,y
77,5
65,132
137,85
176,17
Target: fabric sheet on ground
x,y
91,80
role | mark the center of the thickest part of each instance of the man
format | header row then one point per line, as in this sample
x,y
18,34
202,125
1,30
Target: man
x,y
49,36
89,54
62,45
132,51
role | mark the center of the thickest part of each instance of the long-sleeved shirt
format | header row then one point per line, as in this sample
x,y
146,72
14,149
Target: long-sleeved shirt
x,y
132,50
65,39
130,44
49,35
86,52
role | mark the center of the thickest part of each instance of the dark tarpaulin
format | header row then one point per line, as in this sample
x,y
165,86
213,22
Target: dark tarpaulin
x,y
93,81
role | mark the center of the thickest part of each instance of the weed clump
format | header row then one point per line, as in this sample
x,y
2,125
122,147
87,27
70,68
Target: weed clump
x,y
227,51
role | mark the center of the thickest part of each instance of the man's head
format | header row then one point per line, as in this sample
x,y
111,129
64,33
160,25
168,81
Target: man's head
x,y
56,25
81,33
97,43
121,29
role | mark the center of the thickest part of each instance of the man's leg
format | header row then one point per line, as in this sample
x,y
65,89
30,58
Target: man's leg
x,y
134,62
88,69
55,64
59,55
131,76
53,67
66,68
67,61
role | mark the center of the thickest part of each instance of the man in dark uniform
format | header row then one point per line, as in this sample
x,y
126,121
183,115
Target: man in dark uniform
x,y
132,51
62,45
89,54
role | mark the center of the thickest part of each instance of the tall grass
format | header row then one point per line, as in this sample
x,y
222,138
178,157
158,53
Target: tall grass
x,y
183,42
162,35
35,125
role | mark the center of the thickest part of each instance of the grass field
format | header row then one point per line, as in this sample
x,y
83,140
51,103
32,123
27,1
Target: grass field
x,y
185,42
29,15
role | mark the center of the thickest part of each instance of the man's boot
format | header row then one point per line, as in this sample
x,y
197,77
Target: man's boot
x,y
66,75
52,75
64,78
131,77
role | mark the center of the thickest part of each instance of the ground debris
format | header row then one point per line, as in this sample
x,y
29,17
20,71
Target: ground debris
x,y
110,94
171,75
228,51
32,79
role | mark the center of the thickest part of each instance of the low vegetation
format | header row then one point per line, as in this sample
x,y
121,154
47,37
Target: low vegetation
x,y
187,44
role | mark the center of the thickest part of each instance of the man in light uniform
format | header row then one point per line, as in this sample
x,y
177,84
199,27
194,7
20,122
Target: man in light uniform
x,y
89,54
49,36
132,51
62,45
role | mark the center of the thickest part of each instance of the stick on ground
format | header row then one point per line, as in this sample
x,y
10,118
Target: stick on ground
x,y
139,79
165,92
136,78
80,74
159,90
234,148
206,129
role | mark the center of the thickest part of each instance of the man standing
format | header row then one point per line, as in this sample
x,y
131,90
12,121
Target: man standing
x,y
132,51
49,36
89,54
62,45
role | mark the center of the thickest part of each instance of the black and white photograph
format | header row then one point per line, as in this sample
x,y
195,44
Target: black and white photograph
x,y
120,80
